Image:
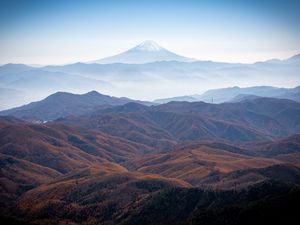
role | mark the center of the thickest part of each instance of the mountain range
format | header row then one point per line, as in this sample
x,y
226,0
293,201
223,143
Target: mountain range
x,y
115,160
256,119
98,159
231,155
149,69
236,94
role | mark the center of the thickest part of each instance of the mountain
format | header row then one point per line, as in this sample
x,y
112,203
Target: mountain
x,y
194,163
102,170
277,172
162,129
32,154
235,94
227,94
146,52
19,176
243,97
14,68
97,159
22,84
96,197
63,148
165,125
282,146
294,94
293,60
183,78
178,99
267,116
141,81
63,104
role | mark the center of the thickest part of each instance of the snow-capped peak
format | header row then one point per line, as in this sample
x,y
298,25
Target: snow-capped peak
x,y
148,45
146,52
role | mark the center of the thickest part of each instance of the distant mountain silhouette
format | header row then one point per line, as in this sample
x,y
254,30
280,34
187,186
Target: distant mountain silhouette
x,y
146,52
294,59
234,94
22,84
138,79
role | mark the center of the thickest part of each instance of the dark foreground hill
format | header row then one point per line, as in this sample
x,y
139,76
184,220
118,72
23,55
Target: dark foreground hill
x,y
128,200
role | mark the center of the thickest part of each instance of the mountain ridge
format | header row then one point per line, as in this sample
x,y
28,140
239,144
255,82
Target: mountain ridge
x,y
236,93
61,104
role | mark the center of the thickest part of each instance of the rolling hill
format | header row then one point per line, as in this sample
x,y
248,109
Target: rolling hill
x,y
62,104
195,163
122,162
167,124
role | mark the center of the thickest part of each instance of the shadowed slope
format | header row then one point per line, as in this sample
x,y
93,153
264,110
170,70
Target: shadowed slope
x,y
281,146
165,125
18,176
195,163
62,147
133,200
93,195
244,178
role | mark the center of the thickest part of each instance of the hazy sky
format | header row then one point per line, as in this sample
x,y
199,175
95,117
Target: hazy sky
x,y
58,31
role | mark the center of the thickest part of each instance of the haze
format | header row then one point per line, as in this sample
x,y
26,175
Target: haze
x,y
61,32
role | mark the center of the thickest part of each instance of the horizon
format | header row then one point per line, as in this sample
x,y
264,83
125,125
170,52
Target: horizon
x,y
135,46
145,48
200,93
153,100
64,32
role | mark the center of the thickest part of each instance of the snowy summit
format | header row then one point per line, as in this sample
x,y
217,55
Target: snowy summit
x,y
145,52
148,45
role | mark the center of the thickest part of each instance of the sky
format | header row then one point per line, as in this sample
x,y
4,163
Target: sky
x,y
68,31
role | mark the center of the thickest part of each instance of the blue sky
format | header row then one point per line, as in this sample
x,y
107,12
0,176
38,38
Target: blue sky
x,y
65,31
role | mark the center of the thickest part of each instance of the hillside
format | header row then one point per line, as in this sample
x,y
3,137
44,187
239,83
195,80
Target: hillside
x,y
119,203
119,163
167,124
62,104
193,164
